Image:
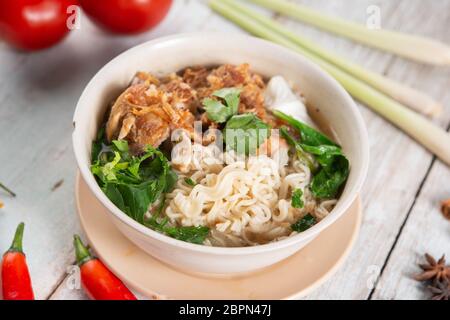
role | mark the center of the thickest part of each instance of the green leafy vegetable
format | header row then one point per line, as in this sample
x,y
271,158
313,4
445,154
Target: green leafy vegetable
x,y
327,183
333,173
304,223
244,133
309,136
302,154
218,111
190,182
133,184
334,166
297,199
189,234
98,144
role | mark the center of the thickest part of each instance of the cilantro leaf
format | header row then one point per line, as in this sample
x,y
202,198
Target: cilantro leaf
x,y
244,133
231,97
304,223
190,182
297,199
218,111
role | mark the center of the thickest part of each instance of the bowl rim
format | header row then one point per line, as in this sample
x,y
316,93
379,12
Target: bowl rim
x,y
359,127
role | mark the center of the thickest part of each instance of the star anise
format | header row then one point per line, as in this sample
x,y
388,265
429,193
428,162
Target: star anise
x,y
440,290
446,208
436,271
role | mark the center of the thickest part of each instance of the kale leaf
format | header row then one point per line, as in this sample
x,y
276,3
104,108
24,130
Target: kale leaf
x,y
333,173
334,167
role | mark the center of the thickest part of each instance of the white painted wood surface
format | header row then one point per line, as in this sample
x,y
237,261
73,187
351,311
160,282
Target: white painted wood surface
x,y
38,93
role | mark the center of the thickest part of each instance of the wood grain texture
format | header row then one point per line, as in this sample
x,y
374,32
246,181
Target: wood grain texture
x,y
390,189
38,94
425,230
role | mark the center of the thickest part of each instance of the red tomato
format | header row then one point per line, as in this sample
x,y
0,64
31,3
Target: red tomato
x,y
34,24
126,16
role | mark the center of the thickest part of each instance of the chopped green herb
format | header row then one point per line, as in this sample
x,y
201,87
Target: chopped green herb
x,y
244,133
221,111
189,234
297,199
304,223
190,182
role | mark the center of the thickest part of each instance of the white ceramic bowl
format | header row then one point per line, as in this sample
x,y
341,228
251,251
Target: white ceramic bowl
x,y
173,53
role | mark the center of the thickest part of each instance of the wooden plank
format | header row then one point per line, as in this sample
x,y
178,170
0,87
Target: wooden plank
x,y
426,230
64,293
38,94
377,61
390,188
385,135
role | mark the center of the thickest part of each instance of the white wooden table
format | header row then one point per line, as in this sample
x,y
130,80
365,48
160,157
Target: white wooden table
x,y
38,93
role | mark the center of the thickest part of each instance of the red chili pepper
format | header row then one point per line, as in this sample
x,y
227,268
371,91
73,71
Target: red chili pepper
x,y
16,279
98,282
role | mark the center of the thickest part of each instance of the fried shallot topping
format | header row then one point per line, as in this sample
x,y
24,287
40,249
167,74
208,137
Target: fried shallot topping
x,y
205,82
145,114
150,109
